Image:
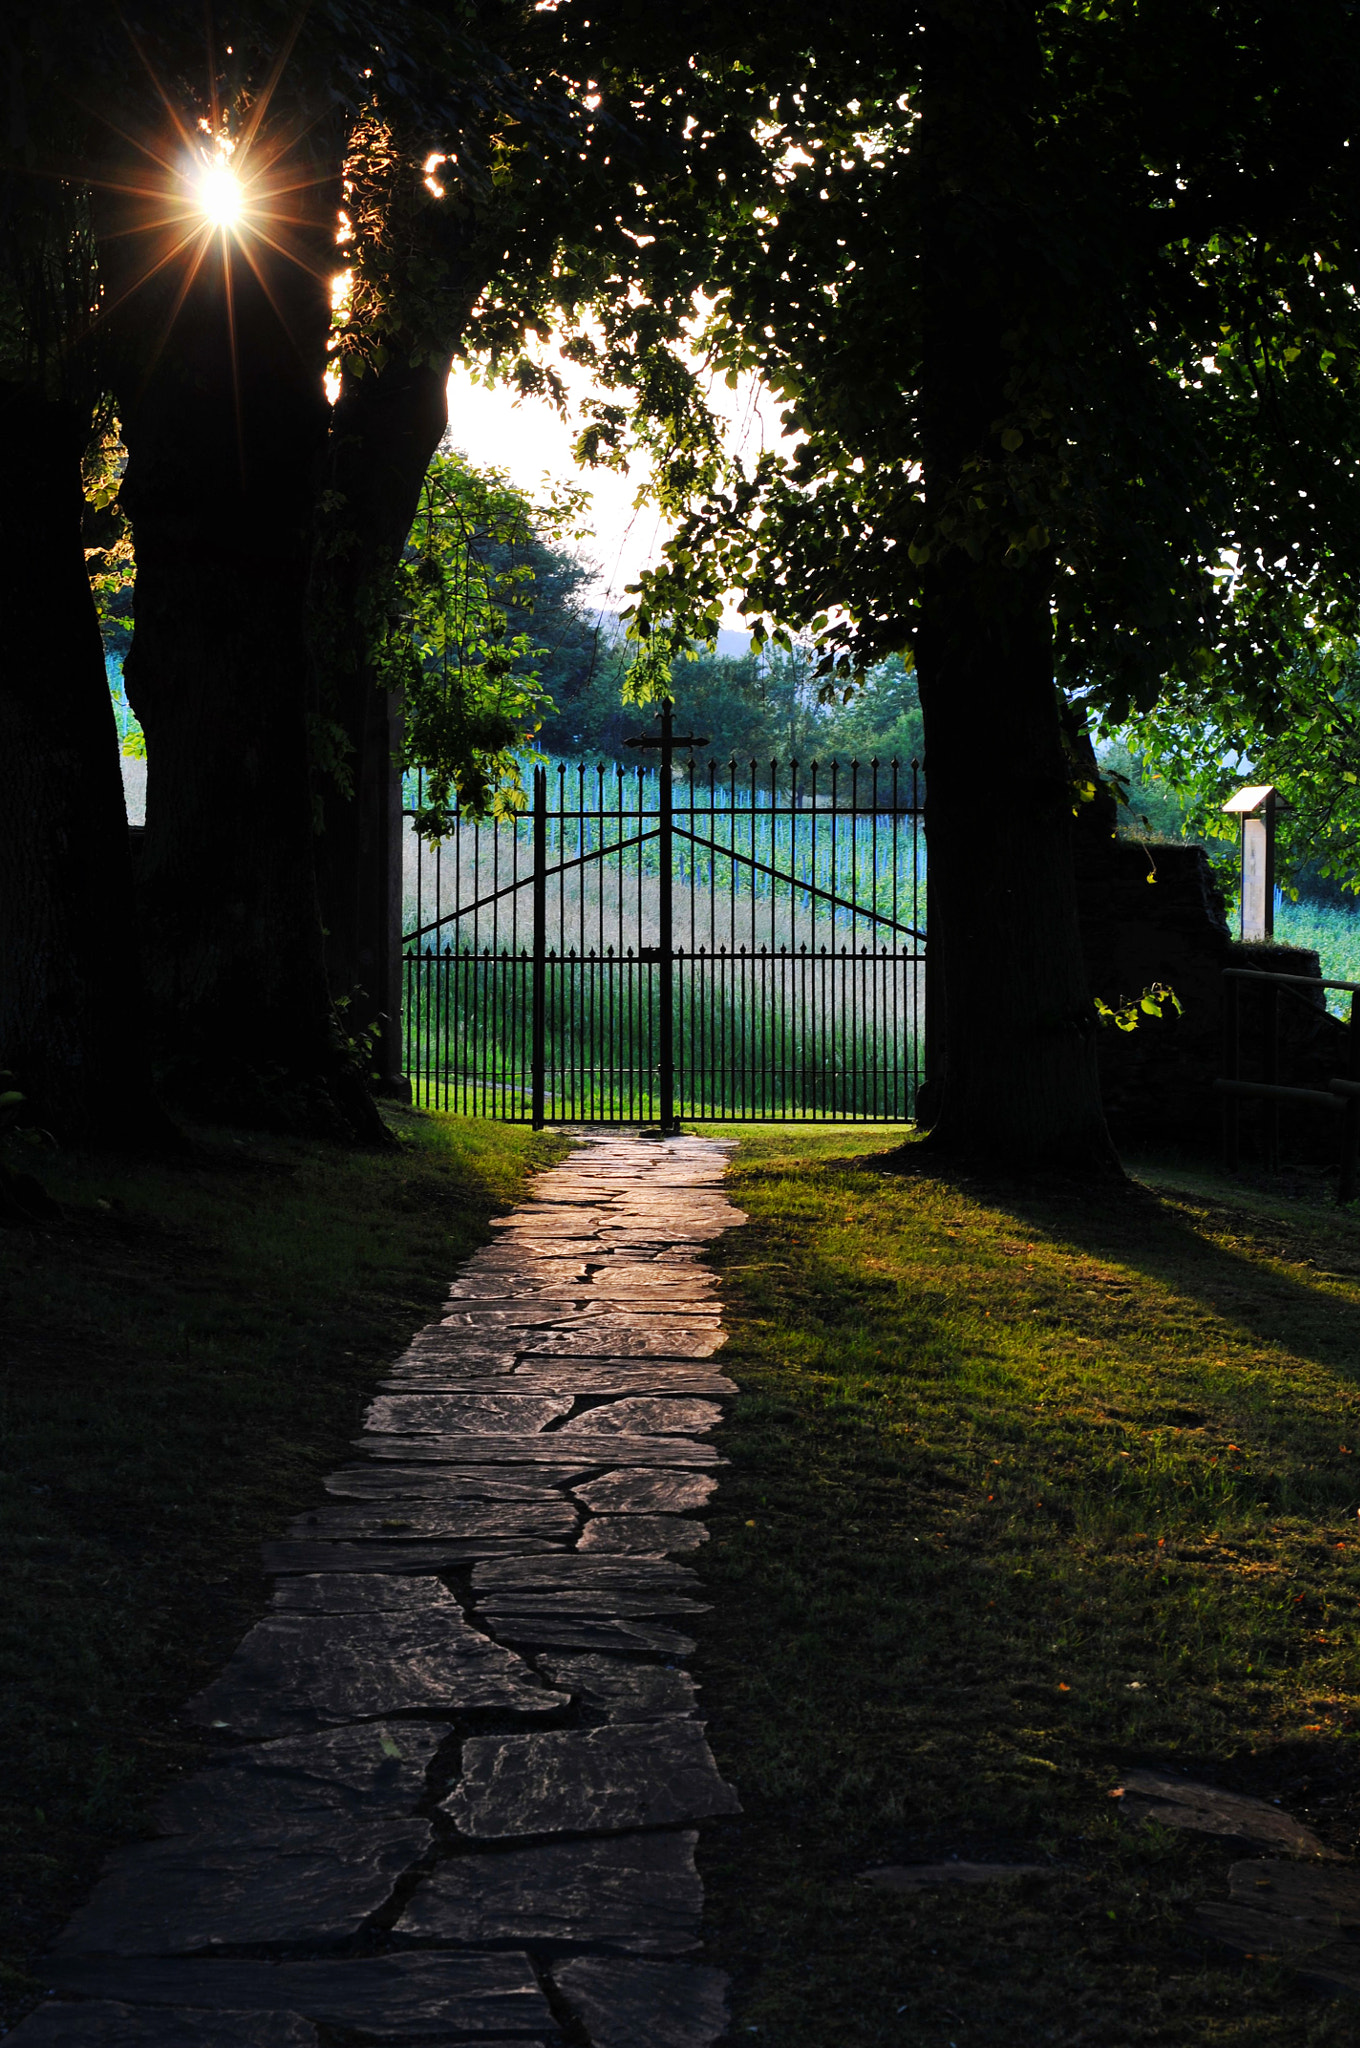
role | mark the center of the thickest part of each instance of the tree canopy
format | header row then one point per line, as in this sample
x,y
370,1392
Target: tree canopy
x,y
1061,305
1059,302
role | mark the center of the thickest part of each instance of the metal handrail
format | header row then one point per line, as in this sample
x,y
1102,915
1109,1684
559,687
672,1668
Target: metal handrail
x,y
1340,1093
1269,974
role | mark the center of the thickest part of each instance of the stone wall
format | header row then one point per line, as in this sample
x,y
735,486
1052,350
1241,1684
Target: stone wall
x,y
1154,913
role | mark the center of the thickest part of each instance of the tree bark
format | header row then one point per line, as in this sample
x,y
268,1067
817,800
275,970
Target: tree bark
x,y
385,428
72,1028
1019,1083
225,419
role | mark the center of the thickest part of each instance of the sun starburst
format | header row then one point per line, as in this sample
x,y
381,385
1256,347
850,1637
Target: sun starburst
x,y
225,190
219,193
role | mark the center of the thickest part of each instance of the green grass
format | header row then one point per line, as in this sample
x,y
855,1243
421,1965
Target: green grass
x,y
1332,933
1027,1488
186,1355
762,1037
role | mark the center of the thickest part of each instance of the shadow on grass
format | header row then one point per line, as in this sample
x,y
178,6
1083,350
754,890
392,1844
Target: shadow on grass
x,y
1169,1225
995,1528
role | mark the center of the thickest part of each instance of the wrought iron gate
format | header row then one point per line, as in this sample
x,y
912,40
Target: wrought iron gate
x,y
648,946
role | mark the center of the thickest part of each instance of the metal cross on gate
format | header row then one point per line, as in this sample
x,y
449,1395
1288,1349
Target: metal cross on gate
x,y
666,742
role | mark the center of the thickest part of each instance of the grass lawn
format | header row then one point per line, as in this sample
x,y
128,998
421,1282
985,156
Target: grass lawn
x,y
1028,1487
1333,933
184,1358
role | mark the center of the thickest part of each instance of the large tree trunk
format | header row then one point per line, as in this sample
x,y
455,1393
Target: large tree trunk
x,y
71,1023
1019,1084
385,428
225,419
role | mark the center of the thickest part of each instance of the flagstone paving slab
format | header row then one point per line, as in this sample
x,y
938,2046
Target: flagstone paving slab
x,y
513,1316
572,1583
516,1267
1327,1961
590,1601
655,1337
179,1896
1306,1891
646,1416
1205,1809
539,1447
568,1233
432,1414
444,1555
549,1631
625,2004
431,1482
386,1996
620,1275
636,1892
649,1224
355,1593
548,1449
274,1789
489,1368
626,1775
513,1286
645,1492
472,1357
548,1219
103,2023
1306,1915
623,1690
577,1377
641,1535
294,1670
378,1521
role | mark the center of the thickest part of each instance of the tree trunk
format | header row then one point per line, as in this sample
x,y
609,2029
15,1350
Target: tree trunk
x,y
225,419
385,428
1019,1083
71,1023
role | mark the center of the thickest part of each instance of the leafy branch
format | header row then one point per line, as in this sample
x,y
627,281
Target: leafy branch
x,y
1152,1003
474,699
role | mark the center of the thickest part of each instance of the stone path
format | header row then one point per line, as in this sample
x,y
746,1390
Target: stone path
x,y
461,1770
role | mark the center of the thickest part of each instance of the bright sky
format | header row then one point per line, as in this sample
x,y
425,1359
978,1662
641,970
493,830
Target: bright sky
x,y
527,438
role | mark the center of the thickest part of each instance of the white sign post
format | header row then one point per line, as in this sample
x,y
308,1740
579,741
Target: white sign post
x,y
1255,807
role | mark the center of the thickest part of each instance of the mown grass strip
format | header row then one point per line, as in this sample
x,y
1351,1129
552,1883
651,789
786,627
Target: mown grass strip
x,y
185,1357
1028,1487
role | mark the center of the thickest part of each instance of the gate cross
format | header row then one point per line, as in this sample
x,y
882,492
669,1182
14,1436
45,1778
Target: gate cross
x,y
667,741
